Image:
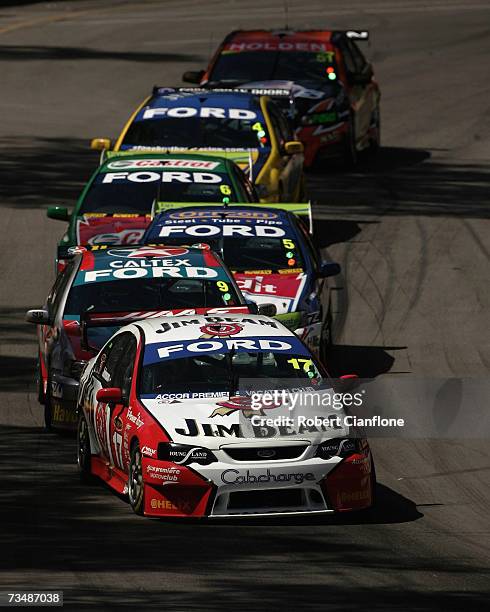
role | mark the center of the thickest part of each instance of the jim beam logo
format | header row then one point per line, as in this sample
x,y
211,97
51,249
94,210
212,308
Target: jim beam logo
x,y
243,403
220,330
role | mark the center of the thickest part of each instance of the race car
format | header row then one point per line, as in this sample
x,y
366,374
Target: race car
x,y
271,255
336,111
249,129
103,288
116,205
169,416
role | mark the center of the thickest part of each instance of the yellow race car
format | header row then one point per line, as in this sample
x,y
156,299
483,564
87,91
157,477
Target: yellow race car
x,y
241,125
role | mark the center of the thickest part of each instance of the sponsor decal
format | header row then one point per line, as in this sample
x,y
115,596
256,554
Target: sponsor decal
x,y
276,45
184,112
135,418
162,163
149,252
174,398
243,403
168,474
165,504
239,344
112,229
234,477
220,330
213,321
163,177
62,415
203,231
156,268
215,214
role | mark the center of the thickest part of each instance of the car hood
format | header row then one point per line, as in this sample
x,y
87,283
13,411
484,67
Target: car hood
x,y
212,422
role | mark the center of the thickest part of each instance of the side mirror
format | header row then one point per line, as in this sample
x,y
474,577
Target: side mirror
x,y
100,144
293,146
60,213
267,310
193,76
38,317
111,395
329,268
347,383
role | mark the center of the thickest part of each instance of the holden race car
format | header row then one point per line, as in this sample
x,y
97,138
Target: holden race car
x,y
336,111
116,205
166,417
248,128
270,253
102,288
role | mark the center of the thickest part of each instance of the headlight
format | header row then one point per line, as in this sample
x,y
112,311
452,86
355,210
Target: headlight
x,y
338,447
330,116
183,454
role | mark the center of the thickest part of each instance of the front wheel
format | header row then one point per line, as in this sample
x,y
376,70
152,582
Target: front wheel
x,y
84,451
136,487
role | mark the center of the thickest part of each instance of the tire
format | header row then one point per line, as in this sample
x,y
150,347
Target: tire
x,y
40,387
84,451
48,408
376,141
326,336
350,151
136,487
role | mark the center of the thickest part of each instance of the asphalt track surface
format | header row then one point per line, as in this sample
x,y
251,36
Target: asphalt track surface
x,y
412,232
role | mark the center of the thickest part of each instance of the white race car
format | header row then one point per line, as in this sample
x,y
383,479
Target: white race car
x,y
214,416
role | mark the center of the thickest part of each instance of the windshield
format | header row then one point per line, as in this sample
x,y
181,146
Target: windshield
x,y
297,66
223,371
247,253
150,294
131,196
195,132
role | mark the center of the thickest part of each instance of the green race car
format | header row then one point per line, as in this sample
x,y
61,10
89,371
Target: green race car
x,y
127,189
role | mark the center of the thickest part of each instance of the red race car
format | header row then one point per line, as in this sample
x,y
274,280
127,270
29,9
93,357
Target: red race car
x,y
334,99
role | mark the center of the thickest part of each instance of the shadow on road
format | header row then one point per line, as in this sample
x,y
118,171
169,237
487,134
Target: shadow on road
x,y
54,526
401,181
43,53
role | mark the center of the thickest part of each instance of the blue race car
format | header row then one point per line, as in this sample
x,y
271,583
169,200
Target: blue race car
x,y
270,254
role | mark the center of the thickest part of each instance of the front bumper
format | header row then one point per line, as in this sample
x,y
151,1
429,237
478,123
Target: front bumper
x,y
247,489
64,392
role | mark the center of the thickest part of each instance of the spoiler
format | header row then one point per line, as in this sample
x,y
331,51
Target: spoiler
x,y
357,34
91,319
300,209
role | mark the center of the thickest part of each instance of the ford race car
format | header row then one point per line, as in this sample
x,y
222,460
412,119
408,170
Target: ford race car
x,y
336,99
116,205
270,254
164,418
101,289
249,129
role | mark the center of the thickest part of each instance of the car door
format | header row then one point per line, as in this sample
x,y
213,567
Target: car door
x,y
291,166
105,374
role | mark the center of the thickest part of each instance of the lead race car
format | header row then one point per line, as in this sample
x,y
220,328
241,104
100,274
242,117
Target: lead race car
x,y
103,288
336,109
164,417
270,253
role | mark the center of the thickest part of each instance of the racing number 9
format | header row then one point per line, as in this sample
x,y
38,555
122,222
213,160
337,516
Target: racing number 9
x,y
222,286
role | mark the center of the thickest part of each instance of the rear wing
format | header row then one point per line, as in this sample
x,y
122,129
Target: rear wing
x,y
357,34
300,209
91,319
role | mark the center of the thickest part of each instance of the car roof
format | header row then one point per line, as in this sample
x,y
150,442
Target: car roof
x,y
175,99
248,35
190,327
